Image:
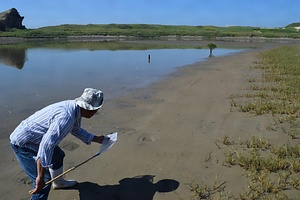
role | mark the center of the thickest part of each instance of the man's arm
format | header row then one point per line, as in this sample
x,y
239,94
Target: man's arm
x,y
39,181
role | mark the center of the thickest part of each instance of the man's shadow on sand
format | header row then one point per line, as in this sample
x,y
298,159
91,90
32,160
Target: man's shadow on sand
x,y
136,188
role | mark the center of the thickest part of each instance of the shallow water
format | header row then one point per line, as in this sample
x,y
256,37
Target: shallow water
x,y
33,76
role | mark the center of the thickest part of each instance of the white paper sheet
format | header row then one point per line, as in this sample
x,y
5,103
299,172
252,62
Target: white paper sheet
x,y
108,142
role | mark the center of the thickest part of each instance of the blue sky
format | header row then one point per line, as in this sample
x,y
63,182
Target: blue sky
x,y
258,13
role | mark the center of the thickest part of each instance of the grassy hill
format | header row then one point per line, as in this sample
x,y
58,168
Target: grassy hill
x,y
152,31
293,25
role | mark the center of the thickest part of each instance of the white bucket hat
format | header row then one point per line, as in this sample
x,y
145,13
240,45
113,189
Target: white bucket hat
x,y
91,99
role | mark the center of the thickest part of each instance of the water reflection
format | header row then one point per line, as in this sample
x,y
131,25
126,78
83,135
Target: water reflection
x,y
14,57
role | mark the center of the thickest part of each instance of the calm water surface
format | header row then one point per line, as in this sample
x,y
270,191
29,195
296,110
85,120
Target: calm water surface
x,y
33,77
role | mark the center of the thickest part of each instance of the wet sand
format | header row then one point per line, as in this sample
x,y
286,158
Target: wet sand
x,y
169,136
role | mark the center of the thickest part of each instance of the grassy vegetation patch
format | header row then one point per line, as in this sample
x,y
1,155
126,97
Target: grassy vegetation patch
x,y
272,171
278,91
151,31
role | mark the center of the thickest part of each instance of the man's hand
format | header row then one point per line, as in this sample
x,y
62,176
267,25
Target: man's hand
x,y
39,181
39,185
98,139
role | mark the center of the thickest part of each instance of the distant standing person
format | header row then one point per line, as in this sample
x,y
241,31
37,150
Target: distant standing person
x,y
35,140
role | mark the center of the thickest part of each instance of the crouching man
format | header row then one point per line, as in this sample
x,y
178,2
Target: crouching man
x,y
35,140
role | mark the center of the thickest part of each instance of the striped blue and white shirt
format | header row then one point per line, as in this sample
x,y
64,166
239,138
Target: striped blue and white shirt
x,y
42,131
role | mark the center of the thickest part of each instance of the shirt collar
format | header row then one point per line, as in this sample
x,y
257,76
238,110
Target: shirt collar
x,y
78,112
